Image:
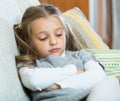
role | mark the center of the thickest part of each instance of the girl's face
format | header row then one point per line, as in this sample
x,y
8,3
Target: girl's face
x,y
48,36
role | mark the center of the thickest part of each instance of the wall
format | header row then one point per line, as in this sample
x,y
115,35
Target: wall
x,y
68,4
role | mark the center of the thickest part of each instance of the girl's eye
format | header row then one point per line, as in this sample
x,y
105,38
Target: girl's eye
x,y
43,37
59,34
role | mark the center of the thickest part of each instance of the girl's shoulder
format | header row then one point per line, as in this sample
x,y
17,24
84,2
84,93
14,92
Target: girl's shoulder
x,y
27,64
82,55
77,53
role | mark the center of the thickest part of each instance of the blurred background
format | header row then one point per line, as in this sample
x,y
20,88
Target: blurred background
x,y
103,15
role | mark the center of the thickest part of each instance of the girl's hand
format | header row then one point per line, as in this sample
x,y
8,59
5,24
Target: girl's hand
x,y
53,87
79,71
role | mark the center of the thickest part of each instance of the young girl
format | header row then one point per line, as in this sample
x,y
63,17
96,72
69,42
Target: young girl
x,y
51,63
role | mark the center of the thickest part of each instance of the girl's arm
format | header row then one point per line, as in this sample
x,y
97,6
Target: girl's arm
x,y
93,72
84,81
92,75
40,78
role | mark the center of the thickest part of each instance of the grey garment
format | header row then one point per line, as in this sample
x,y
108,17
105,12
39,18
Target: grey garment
x,y
67,94
78,58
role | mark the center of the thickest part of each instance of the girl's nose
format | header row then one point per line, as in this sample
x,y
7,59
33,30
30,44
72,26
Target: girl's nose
x,y
53,41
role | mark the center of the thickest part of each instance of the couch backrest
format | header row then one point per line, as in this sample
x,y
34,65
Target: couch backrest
x,y
10,14
13,10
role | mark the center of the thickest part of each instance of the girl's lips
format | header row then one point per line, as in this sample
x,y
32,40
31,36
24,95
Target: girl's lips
x,y
54,50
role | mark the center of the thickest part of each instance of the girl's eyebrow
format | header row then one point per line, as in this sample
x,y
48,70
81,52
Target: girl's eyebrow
x,y
59,28
43,32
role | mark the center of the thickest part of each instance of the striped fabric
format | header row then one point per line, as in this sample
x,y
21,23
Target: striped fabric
x,y
79,23
110,59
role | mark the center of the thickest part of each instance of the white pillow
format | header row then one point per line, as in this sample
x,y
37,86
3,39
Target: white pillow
x,y
9,10
10,87
13,10
10,13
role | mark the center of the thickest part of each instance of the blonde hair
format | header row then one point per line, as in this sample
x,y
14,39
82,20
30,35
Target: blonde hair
x,y
22,31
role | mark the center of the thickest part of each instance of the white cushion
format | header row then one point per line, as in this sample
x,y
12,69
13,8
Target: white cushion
x,y
10,87
10,13
13,10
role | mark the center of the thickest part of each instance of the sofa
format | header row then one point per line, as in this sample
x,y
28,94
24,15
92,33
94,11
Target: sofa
x,y
11,88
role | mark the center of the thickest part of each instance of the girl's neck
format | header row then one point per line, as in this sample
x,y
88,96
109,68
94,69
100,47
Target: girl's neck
x,y
63,54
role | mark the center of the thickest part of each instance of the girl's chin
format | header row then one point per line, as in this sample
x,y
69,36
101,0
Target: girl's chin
x,y
57,54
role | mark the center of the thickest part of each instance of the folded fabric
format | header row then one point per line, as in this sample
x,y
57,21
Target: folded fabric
x,y
110,58
67,94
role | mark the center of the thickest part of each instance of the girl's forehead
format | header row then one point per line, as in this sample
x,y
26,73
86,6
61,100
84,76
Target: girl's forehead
x,y
46,23
47,20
